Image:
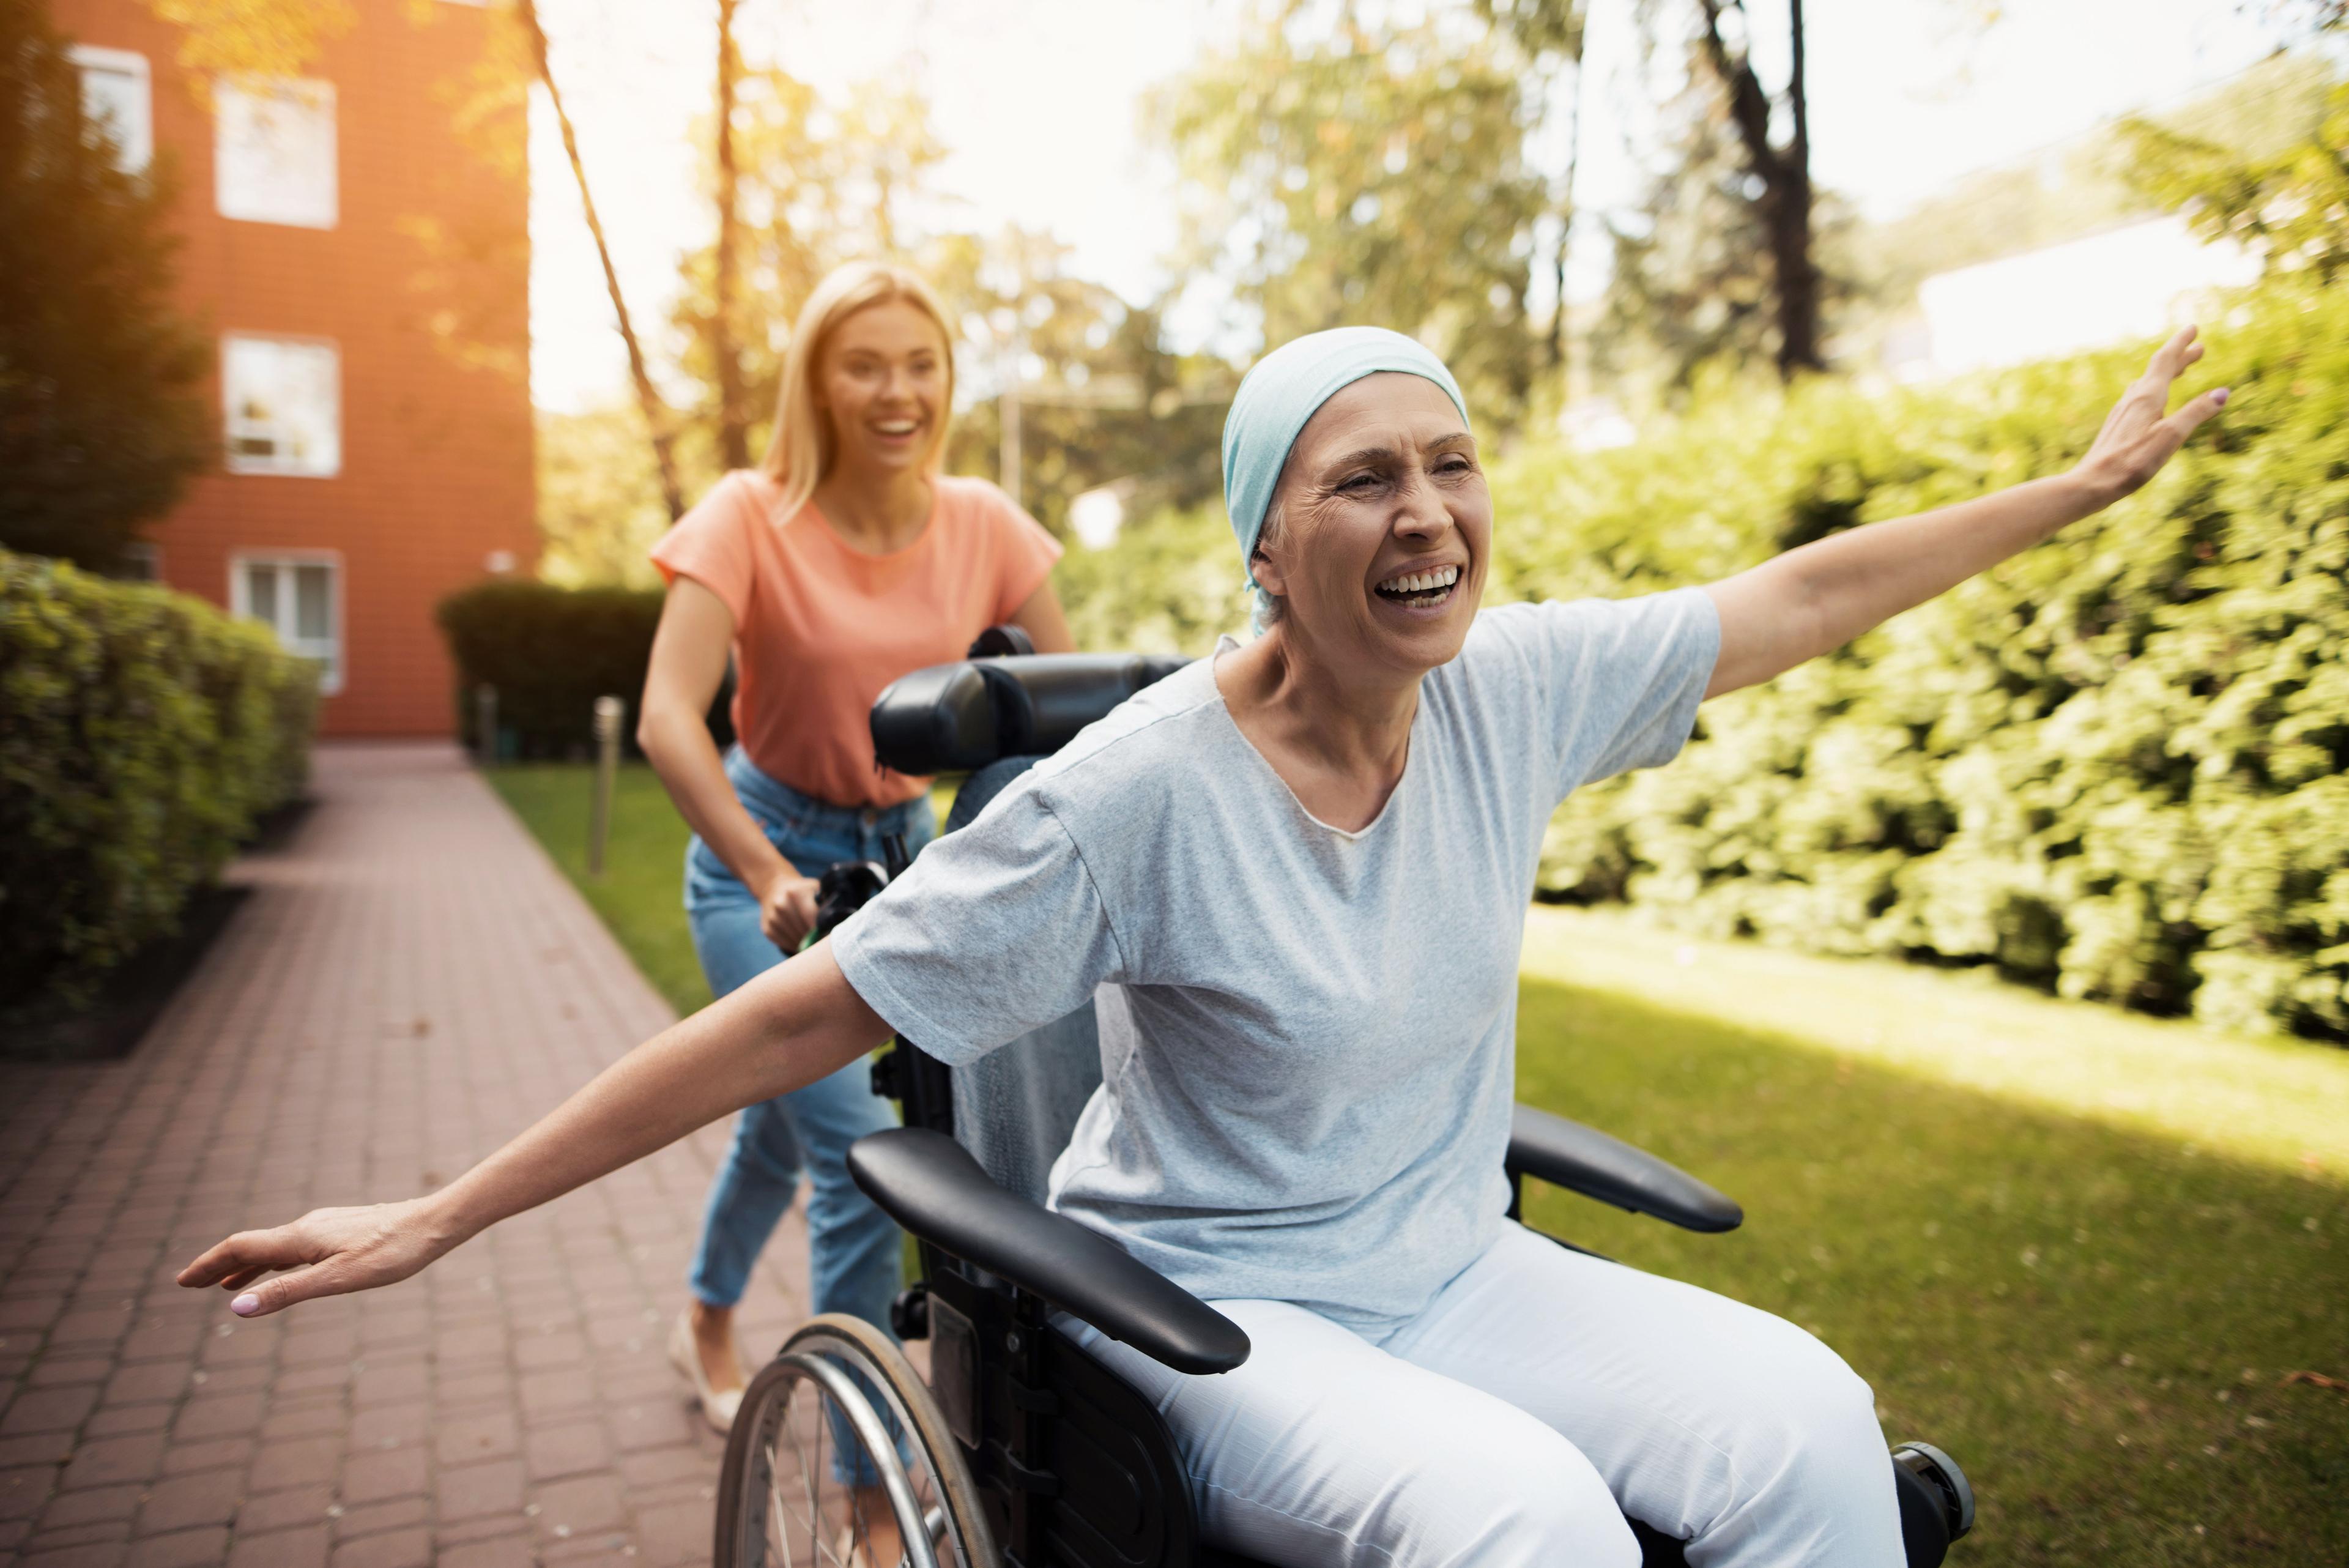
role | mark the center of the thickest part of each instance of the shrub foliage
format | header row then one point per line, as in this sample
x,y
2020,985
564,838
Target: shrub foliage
x,y
144,733
2113,765
549,652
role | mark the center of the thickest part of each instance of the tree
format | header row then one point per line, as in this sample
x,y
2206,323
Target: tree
x,y
101,425
251,37
655,412
814,184
1369,174
1102,403
726,360
1772,135
1550,35
2290,207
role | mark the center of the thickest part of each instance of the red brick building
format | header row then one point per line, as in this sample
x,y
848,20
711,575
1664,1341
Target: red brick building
x,y
357,246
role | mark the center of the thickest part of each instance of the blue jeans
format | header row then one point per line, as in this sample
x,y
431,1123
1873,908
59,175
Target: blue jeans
x,y
853,1247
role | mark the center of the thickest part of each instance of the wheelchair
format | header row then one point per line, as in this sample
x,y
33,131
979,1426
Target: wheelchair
x,y
1021,1449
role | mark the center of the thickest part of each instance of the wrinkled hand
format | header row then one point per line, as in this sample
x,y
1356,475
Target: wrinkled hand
x,y
2140,434
787,910
328,1251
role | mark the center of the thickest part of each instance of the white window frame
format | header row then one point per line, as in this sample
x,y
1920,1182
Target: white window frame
x,y
135,145
237,191
328,651
232,426
143,559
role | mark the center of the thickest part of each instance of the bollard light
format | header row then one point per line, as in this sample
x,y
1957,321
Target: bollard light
x,y
609,712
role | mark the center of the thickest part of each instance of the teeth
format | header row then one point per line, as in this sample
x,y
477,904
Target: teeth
x,y
897,427
1420,582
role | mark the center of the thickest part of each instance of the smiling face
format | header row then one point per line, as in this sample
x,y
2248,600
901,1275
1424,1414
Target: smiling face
x,y
1385,525
881,386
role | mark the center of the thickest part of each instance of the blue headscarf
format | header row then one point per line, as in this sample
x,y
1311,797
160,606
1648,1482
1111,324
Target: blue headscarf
x,y
1284,390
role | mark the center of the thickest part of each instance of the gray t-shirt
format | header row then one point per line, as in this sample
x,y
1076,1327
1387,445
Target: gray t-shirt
x,y
1308,1035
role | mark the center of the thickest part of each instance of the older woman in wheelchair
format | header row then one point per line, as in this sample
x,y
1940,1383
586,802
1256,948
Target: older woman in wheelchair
x,y
1227,981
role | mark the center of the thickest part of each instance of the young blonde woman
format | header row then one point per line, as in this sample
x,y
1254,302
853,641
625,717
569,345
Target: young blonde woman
x,y
845,562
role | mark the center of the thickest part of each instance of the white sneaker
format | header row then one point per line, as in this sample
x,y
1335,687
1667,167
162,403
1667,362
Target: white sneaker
x,y
717,1408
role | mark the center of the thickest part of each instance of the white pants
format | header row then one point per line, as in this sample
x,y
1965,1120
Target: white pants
x,y
1541,1396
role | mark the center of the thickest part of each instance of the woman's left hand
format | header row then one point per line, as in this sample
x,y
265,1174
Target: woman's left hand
x,y
2140,434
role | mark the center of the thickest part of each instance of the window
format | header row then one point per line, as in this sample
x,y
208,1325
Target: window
x,y
298,596
282,403
273,158
116,94
139,562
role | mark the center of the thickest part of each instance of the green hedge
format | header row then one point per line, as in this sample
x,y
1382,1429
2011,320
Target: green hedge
x,y
549,652
144,733
2113,766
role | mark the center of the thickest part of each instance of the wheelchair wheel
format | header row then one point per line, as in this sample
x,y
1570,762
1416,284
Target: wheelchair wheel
x,y
840,1384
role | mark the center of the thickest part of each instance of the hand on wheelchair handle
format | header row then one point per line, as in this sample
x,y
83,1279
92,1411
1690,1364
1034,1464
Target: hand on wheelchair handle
x,y
787,910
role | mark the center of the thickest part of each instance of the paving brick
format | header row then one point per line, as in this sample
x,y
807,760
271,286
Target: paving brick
x,y
570,1450
117,1504
371,1476
302,1548
401,1513
57,1370
299,1505
109,1554
111,1459
148,1381
40,1448
118,1420
25,1488
295,1462
399,1549
675,1533
184,1502
573,1507
214,1453
482,1435
49,1409
182,1549
505,1552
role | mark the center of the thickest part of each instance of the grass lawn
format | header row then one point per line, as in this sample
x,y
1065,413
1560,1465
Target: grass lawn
x,y
2084,1252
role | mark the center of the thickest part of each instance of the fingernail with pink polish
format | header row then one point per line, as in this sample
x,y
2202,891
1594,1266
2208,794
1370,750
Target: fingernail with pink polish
x,y
2222,396
245,1306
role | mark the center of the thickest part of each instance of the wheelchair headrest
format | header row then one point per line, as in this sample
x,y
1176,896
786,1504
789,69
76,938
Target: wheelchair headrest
x,y
954,717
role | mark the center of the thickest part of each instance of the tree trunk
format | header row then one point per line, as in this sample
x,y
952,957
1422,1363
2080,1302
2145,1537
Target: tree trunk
x,y
1785,176
1557,322
655,412
733,420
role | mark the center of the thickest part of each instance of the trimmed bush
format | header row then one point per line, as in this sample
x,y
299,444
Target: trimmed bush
x,y
2113,766
551,652
142,733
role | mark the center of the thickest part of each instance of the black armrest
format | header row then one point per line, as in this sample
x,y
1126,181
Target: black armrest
x,y
1586,1160
957,718
929,1184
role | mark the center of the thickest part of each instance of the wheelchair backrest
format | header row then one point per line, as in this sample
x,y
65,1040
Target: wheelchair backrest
x,y
1014,1108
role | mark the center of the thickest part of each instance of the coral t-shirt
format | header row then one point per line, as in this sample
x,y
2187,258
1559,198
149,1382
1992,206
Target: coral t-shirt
x,y
821,628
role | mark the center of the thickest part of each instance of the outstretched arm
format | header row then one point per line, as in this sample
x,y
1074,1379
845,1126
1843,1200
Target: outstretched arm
x,y
1802,604
789,1027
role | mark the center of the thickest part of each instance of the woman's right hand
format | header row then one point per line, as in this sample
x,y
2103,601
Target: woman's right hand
x,y
328,1251
787,908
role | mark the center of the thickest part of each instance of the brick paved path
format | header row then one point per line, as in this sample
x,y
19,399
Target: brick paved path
x,y
410,983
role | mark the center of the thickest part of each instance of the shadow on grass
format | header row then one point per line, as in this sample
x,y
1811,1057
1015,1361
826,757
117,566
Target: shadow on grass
x,y
2099,1324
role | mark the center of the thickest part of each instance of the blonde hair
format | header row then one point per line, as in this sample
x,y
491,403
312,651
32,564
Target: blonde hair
x,y
800,453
